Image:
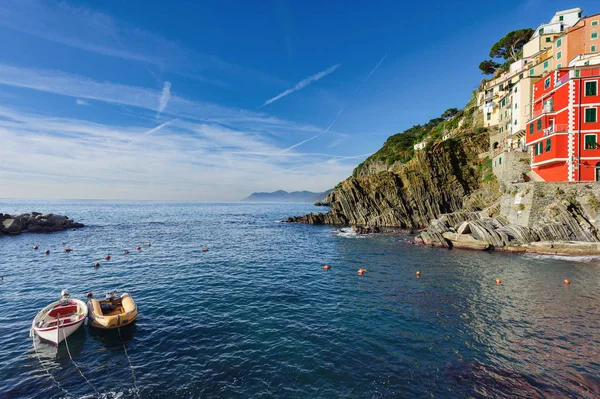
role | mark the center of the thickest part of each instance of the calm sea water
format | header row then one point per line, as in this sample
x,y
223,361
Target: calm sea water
x,y
258,317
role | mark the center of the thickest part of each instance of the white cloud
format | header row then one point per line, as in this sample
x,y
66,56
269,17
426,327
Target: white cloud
x,y
80,101
165,96
70,158
303,83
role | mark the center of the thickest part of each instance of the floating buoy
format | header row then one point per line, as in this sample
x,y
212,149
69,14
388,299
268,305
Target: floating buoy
x,y
567,282
138,248
68,249
204,249
89,294
126,251
326,267
47,252
418,273
97,264
362,271
148,243
35,247
498,281
107,257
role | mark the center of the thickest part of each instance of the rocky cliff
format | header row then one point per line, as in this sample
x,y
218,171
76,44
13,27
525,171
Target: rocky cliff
x,y
35,222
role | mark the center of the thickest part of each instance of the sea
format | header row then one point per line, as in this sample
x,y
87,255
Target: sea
x,y
257,316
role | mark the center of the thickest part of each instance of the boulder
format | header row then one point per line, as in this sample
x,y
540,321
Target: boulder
x,y
465,241
464,228
12,226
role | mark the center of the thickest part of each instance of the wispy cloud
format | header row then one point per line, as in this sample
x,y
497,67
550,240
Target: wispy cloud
x,y
80,101
370,73
302,84
165,96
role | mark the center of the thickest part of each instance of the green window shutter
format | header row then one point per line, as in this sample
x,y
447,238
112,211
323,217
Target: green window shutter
x,y
545,64
559,55
547,40
591,115
539,124
500,160
591,88
535,149
531,72
489,116
593,49
590,142
594,35
531,128
541,31
520,77
577,73
594,23
559,43
561,18
541,149
548,144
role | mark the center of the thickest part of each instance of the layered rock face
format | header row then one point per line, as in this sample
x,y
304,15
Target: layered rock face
x,y
35,222
438,180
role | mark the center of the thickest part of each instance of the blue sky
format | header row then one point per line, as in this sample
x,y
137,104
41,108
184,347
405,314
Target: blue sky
x,y
215,100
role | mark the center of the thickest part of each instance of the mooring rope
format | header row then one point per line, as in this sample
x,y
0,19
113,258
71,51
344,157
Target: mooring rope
x,y
137,391
48,371
75,364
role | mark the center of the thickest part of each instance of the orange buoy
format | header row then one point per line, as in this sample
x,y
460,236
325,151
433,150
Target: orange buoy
x,y
567,282
35,247
498,281
138,248
97,264
362,271
326,267
126,251
107,257
89,294
204,249
148,243
68,249
47,251
418,273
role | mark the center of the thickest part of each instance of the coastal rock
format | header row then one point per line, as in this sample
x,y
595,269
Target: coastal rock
x,y
466,241
36,222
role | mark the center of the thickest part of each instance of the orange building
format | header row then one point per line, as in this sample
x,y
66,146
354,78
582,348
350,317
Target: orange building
x,y
581,38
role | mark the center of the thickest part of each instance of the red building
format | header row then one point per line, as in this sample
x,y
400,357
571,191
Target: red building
x,y
564,128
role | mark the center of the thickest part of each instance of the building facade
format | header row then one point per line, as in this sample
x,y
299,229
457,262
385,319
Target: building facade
x,y
563,130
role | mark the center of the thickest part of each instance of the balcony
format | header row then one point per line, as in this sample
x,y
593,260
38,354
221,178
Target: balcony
x,y
561,128
547,108
489,96
562,80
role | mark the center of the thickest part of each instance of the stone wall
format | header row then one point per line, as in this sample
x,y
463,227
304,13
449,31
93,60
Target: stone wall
x,y
509,167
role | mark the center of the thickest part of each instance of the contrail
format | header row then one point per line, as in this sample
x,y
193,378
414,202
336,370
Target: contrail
x,y
335,120
302,84
370,73
157,128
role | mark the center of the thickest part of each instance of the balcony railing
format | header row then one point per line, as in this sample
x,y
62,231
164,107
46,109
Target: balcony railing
x,y
563,79
547,108
490,95
561,128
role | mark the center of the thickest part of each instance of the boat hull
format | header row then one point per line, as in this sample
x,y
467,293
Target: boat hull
x,y
126,315
57,328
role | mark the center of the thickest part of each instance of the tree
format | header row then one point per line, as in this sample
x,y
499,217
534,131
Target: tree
x,y
508,47
449,113
488,67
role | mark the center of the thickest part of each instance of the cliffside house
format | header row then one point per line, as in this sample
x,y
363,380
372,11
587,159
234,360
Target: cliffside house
x,y
421,146
564,126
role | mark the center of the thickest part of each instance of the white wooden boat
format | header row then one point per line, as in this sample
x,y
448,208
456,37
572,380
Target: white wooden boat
x,y
60,319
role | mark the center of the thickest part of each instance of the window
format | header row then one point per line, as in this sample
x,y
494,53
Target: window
x,y
561,18
515,122
531,128
577,73
520,77
591,115
539,149
548,144
593,49
558,66
546,83
559,43
594,23
516,87
545,64
591,88
541,31
590,142
489,116
531,72
559,55
579,15
516,105
594,35
539,124
548,40
501,86
535,149
500,161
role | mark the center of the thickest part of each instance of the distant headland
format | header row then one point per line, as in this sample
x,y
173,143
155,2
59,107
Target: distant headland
x,y
284,196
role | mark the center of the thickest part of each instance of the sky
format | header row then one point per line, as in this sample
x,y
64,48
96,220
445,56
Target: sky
x,y
211,101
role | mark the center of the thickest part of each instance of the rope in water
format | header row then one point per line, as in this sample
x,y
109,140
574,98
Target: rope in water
x,y
75,364
137,391
48,371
